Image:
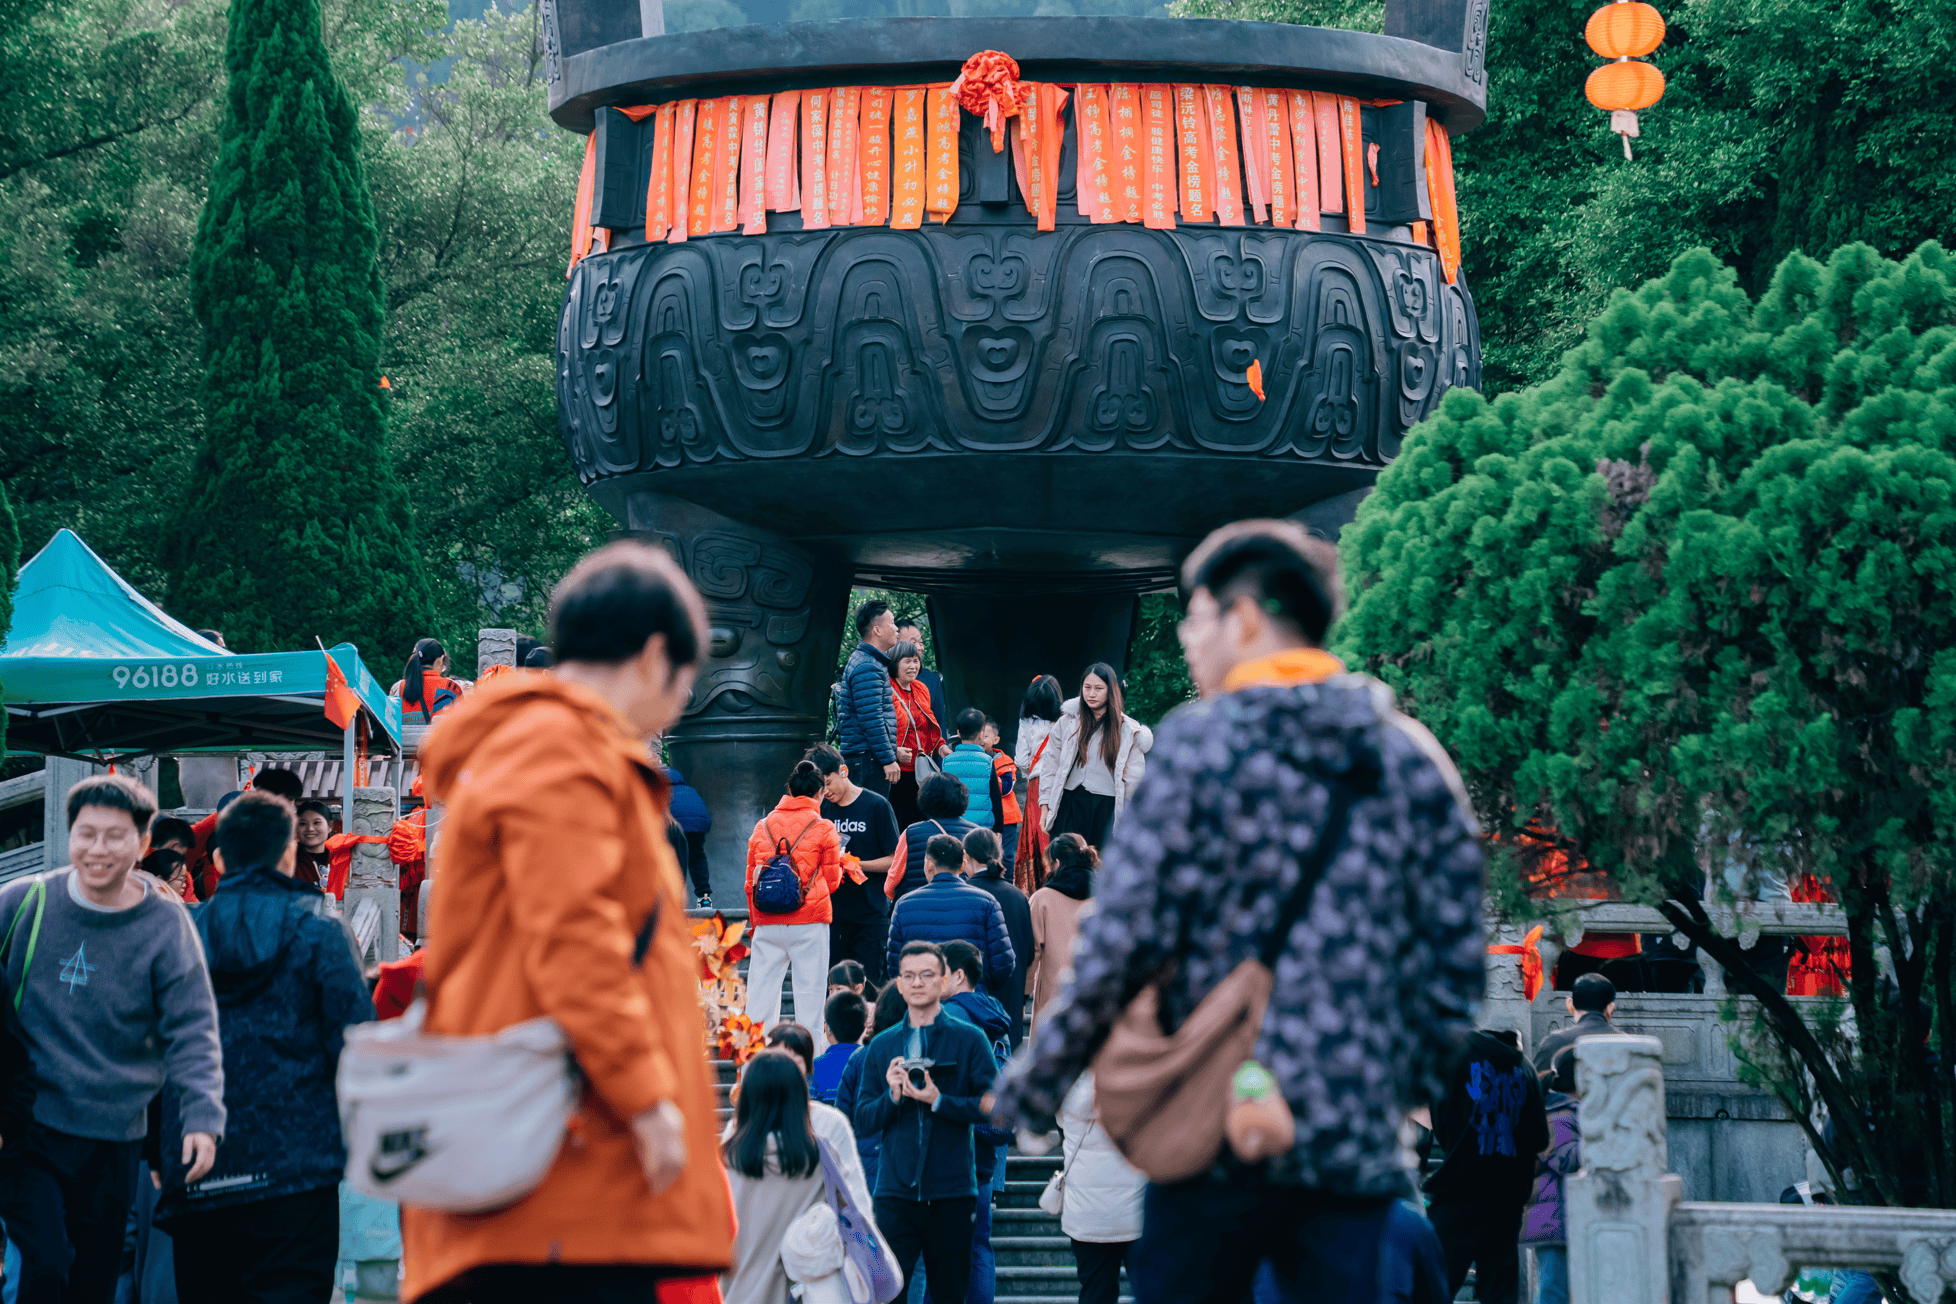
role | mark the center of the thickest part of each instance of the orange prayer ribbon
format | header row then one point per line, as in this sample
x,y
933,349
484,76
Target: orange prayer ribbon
x,y
873,155
843,106
907,214
942,185
726,172
814,160
1331,166
1222,129
1255,156
1531,960
1093,188
1304,149
1127,163
658,188
706,155
1158,125
1198,160
753,164
587,179
783,196
1353,141
682,167
1277,177
1440,195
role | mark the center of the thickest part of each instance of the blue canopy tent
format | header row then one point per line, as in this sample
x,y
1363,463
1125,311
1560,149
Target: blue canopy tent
x,y
94,670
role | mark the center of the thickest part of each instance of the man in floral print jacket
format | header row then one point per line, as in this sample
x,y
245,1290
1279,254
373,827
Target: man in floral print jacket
x,y
1379,979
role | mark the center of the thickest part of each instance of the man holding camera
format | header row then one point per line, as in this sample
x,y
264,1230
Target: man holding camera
x,y
937,1069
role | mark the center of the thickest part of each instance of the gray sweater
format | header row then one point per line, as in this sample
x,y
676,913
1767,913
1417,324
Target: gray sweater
x,y
116,1001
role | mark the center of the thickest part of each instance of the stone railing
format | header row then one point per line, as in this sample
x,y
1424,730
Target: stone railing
x,y
1634,1240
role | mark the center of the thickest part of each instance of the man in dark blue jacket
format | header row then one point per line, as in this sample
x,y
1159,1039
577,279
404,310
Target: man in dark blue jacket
x,y
264,1224
936,1070
689,812
865,713
948,909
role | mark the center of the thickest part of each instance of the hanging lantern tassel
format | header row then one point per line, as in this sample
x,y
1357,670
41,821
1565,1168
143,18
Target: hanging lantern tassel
x,y
988,87
1624,123
1625,32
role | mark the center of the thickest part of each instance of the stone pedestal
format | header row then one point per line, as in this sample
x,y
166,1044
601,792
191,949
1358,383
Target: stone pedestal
x,y
494,647
1618,1205
373,874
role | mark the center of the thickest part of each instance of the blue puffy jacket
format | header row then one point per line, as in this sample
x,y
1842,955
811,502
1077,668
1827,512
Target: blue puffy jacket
x,y
948,909
971,765
869,1145
688,807
865,713
983,1012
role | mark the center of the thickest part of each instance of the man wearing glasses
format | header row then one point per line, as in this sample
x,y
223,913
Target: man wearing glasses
x,y
936,1071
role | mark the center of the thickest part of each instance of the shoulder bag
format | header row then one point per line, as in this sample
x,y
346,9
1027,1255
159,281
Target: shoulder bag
x,y
869,1270
925,765
1164,1097
461,1124
779,888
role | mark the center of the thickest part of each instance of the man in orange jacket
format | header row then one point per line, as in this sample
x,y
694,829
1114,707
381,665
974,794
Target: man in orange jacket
x,y
553,863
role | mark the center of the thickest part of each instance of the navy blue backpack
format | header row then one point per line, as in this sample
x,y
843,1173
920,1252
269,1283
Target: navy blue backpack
x,y
777,888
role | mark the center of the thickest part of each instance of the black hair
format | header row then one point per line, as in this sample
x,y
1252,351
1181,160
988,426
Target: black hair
x,y
962,957
925,948
845,1014
617,598
971,723
866,615
254,831
524,646
982,846
904,648
805,781
795,1039
425,654
539,659
211,634
1563,1072
943,797
310,804
773,1103
1107,721
112,792
1042,700
847,973
945,851
1276,564
162,862
1074,862
827,760
993,723
1593,991
889,1009
168,828
280,783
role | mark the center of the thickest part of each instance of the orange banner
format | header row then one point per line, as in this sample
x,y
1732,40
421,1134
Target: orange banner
x,y
706,152
1304,150
753,168
1255,156
814,160
941,187
873,153
726,169
907,213
1158,154
1440,194
1277,177
587,180
783,192
683,122
658,187
1127,163
1096,200
843,105
1197,158
1352,140
1222,130
1331,163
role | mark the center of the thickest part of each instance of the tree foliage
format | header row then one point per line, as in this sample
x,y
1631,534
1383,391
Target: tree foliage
x,y
9,567
1692,602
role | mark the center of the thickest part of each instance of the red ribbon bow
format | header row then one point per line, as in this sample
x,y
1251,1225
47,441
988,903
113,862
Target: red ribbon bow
x,y
988,86
1531,960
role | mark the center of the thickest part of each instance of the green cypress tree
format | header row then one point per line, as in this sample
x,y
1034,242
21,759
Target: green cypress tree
x,y
295,525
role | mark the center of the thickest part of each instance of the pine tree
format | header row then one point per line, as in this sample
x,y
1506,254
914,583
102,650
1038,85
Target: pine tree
x,y
295,525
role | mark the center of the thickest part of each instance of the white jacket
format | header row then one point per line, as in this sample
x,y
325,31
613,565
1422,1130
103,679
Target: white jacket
x,y
1063,749
1104,1192
1031,733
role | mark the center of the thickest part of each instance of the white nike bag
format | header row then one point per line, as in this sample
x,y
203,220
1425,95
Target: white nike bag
x,y
461,1124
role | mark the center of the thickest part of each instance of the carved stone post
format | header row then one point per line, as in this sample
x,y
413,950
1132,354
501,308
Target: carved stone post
x,y
774,617
494,647
1506,1004
1618,1205
373,875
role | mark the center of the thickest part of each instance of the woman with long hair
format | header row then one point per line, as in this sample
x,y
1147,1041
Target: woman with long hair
x,y
773,1152
1056,910
425,688
919,731
1037,714
793,943
1093,760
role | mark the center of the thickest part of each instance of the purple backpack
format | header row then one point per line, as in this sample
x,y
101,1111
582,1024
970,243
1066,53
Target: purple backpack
x,y
871,1276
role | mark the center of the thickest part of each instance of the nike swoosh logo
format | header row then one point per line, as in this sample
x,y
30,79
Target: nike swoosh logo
x,y
397,1167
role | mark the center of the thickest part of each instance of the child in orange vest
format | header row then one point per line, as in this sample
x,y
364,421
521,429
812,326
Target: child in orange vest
x,y
1008,781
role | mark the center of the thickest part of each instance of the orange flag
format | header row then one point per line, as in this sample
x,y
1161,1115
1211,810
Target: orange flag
x,y
1352,141
1304,149
815,159
782,194
941,187
1126,158
907,213
1255,155
1440,196
1331,164
587,179
1222,130
1157,147
873,155
1197,157
341,704
658,188
682,167
753,168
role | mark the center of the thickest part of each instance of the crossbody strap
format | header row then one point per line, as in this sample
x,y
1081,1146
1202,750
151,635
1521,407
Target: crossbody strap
x,y
1329,840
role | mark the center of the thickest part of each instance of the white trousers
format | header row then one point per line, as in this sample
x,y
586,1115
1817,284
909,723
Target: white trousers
x,y
779,949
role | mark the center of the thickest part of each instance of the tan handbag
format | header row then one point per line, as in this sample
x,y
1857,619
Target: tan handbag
x,y
1164,1096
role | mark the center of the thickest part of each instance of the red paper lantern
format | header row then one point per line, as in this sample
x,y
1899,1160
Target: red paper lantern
x,y
1628,29
1625,86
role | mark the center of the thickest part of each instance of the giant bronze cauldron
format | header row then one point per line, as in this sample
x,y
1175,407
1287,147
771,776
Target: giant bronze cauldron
x,y
1031,427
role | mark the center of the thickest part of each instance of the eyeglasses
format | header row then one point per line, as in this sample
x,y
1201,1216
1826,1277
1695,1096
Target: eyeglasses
x,y
917,977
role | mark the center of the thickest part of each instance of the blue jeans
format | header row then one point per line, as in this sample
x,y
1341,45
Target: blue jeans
x,y
1851,1287
1551,1274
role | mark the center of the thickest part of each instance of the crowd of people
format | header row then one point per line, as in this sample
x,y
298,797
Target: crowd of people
x,y
918,892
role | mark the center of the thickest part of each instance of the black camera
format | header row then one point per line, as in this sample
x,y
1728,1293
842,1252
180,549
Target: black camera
x,y
915,1069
